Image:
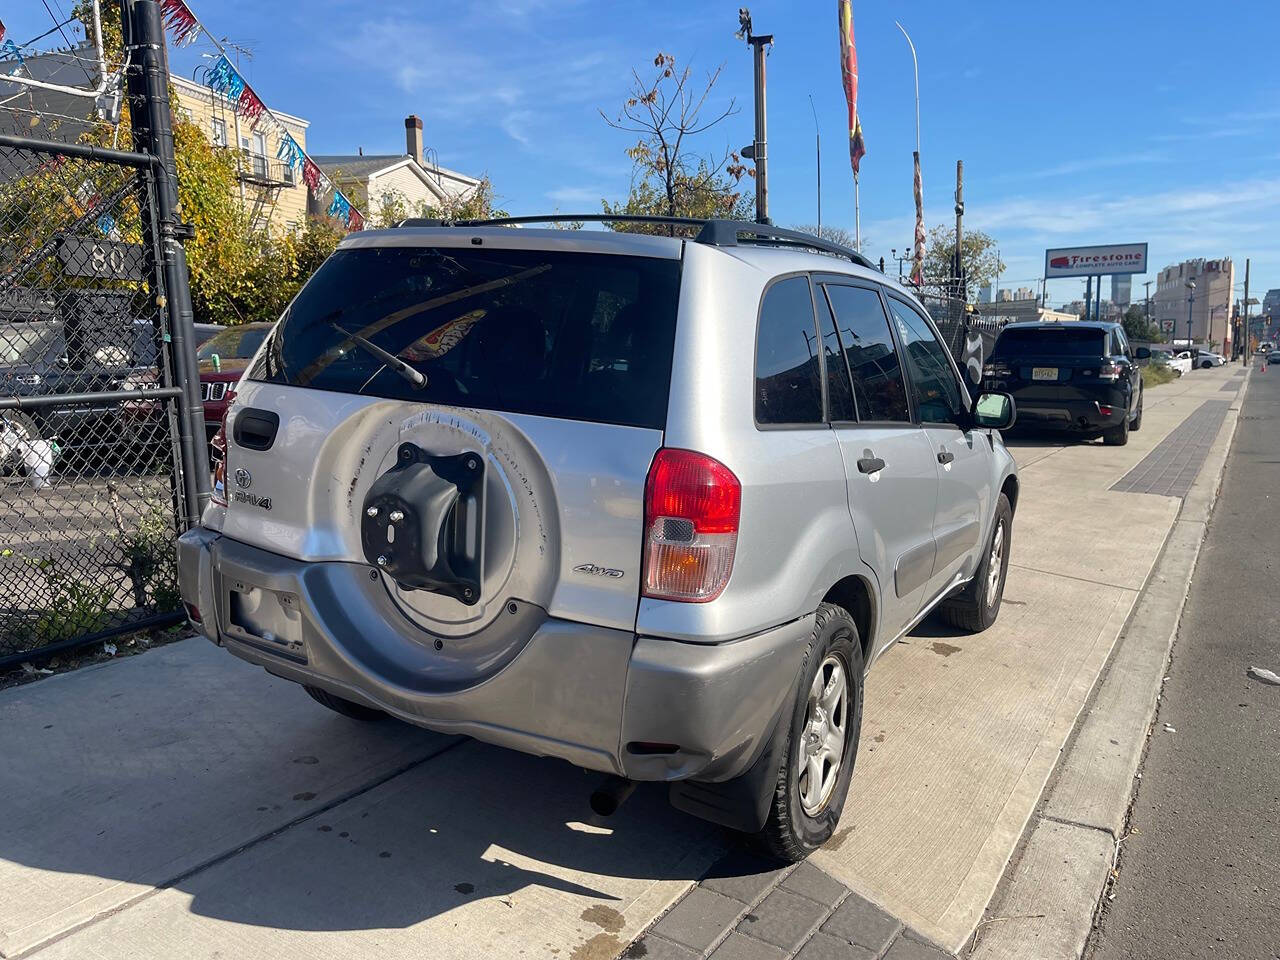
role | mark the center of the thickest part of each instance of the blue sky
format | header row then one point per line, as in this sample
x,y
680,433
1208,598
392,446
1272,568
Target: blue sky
x,y
1088,122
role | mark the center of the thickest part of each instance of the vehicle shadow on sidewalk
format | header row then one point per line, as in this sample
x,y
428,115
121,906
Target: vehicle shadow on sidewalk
x,y
184,769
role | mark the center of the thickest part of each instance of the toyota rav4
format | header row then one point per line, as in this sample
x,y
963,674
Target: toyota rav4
x,y
649,504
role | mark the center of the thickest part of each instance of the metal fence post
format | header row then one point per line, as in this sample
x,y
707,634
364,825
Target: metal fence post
x,y
148,89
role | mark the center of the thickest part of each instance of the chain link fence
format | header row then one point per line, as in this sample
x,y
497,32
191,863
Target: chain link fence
x,y
89,467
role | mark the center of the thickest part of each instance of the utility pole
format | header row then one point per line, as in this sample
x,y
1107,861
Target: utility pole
x,y
1243,345
1147,284
152,121
759,147
960,277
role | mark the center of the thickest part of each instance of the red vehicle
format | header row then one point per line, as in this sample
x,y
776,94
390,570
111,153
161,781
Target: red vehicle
x,y
223,358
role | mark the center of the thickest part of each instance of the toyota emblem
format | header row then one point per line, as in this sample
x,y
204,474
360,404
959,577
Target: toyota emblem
x,y
244,479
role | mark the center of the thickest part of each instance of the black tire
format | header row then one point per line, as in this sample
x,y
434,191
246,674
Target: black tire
x,y
356,711
1136,425
1206,365
1118,435
28,429
791,833
974,609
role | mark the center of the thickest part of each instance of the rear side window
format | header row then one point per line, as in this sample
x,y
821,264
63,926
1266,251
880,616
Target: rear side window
x,y
936,390
878,388
577,336
1064,341
788,385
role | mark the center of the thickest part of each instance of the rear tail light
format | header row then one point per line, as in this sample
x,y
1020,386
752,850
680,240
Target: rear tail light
x,y
1105,410
692,505
218,454
1109,371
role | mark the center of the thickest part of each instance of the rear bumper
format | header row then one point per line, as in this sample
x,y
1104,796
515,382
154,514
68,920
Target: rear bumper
x,y
597,697
1071,415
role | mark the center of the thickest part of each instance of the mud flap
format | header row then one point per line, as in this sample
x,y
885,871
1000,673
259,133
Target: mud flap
x,y
742,803
423,523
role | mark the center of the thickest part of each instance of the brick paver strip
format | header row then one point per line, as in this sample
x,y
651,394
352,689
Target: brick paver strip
x,y
653,947
861,922
1171,467
784,919
744,877
823,947
738,947
699,920
808,881
1240,373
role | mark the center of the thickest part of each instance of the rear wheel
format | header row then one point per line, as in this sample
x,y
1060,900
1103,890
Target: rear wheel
x,y
1118,435
822,744
356,711
1137,416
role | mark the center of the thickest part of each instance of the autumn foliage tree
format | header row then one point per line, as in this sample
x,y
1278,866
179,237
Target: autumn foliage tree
x,y
669,177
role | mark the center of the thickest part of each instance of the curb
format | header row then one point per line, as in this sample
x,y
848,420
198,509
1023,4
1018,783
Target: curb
x,y
1051,894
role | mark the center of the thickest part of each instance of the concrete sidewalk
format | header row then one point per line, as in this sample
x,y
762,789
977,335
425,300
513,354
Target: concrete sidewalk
x,y
182,803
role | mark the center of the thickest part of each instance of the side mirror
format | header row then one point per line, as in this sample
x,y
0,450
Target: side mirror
x,y
1142,353
994,411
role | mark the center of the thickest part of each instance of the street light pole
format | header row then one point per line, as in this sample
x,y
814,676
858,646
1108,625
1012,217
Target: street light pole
x,y
817,145
1191,303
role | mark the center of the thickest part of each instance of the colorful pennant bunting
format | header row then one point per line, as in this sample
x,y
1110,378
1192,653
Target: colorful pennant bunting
x,y
180,21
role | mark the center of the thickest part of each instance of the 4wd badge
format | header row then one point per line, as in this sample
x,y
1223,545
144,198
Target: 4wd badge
x,y
591,570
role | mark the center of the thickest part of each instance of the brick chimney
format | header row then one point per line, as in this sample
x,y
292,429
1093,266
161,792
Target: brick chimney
x,y
413,137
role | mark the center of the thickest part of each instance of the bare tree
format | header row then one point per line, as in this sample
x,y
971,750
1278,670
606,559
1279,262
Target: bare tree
x,y
838,235
670,178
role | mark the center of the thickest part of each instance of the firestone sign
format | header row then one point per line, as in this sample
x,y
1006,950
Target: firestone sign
x,y
1098,261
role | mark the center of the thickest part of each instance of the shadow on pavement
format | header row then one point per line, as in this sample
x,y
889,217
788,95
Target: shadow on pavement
x,y
183,768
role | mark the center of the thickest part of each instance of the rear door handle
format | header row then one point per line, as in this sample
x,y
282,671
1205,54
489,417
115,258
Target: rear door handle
x,y
945,456
870,465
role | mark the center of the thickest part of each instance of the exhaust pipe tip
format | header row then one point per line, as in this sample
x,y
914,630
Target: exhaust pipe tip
x,y
610,795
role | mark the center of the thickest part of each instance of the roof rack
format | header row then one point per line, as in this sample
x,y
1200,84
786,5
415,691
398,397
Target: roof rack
x,y
715,233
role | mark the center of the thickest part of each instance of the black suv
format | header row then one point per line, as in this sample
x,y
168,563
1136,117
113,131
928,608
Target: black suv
x,y
1077,376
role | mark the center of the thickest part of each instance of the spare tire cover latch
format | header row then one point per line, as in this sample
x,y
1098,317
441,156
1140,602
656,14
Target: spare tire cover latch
x,y
423,523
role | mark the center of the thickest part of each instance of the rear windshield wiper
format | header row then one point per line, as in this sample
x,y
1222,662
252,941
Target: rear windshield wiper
x,y
389,360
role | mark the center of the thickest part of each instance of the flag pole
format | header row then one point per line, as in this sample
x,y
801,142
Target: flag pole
x,y
857,217
917,267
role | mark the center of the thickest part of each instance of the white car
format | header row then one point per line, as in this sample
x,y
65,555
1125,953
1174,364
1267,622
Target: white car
x,y
1179,362
1207,358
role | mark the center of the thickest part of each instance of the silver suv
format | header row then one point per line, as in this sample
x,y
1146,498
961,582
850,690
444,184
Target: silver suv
x,y
648,504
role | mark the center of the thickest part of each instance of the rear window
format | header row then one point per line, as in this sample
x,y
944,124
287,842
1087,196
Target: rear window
x,y
578,336
1051,342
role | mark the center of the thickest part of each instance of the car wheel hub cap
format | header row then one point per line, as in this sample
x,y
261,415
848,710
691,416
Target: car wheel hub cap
x,y
823,740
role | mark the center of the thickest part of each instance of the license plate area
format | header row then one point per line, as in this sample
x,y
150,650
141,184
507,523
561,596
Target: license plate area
x,y
1044,373
263,617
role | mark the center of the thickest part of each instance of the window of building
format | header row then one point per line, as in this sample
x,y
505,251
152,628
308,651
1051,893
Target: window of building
x,y
937,392
878,388
259,154
788,387
219,132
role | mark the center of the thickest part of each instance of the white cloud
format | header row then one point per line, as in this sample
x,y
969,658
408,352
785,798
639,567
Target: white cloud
x,y
577,199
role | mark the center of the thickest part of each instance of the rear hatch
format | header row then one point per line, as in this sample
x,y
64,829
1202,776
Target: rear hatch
x,y
1049,363
471,418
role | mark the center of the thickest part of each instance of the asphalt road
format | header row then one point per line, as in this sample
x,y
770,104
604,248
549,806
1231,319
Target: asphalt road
x,y
1198,872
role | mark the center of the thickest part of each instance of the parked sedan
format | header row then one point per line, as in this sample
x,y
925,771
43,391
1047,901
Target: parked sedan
x,y
1207,358
1178,363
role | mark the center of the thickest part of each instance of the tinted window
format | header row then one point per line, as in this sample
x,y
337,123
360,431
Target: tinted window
x,y
572,335
878,387
1063,341
236,343
934,384
840,405
787,370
